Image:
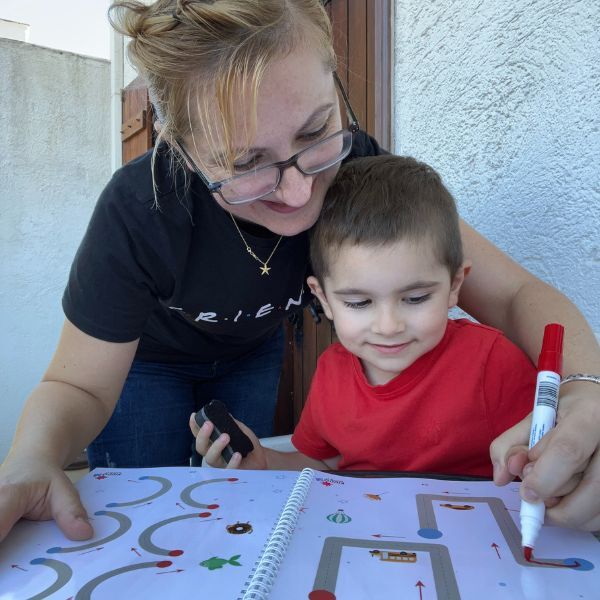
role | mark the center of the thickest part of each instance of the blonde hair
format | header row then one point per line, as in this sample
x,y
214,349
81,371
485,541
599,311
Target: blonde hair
x,y
202,58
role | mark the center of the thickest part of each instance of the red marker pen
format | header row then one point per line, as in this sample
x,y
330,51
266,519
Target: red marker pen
x,y
543,419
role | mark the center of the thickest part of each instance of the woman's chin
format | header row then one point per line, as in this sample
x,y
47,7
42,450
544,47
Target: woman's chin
x,y
287,222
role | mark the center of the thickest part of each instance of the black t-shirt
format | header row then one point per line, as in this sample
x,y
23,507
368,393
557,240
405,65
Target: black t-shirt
x,y
176,273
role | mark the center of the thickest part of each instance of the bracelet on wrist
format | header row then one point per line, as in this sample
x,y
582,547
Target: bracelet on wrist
x,y
580,377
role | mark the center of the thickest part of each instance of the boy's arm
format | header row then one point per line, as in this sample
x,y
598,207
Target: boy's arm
x,y
291,461
260,458
509,388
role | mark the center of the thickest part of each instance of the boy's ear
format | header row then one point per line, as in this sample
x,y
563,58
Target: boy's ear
x,y
317,290
457,282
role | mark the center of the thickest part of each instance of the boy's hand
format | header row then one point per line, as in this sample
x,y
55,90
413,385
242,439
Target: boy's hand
x,y
211,451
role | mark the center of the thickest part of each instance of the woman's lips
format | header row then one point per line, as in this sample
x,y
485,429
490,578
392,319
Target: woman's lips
x,y
281,208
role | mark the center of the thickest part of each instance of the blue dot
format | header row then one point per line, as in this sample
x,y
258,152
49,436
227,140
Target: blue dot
x,y
430,534
54,550
38,561
144,477
100,512
112,504
583,565
502,584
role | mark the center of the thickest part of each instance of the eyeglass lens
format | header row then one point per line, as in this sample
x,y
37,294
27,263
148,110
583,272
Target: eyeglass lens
x,y
312,160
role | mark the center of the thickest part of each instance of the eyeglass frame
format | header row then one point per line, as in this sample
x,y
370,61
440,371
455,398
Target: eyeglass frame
x,y
214,187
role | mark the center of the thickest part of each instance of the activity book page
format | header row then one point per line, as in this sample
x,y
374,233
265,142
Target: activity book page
x,y
159,533
424,539
181,531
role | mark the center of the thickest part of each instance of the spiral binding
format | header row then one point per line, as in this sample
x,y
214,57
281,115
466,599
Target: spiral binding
x,y
261,580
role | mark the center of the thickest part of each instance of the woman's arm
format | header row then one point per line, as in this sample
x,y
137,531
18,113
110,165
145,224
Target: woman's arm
x,y
65,412
501,293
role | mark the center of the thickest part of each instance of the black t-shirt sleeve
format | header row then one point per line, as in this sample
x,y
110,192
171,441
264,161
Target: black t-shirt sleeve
x,y
365,145
117,274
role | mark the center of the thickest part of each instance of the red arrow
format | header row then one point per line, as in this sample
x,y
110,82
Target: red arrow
x,y
18,567
495,547
420,585
165,572
178,504
380,535
132,481
145,504
135,550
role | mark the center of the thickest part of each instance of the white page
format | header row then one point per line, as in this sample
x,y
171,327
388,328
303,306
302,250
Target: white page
x,y
468,549
133,563
175,509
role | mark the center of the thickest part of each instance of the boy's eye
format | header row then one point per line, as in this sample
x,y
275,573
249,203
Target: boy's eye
x,y
360,304
417,299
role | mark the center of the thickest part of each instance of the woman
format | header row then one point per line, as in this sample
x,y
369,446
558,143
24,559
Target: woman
x,y
196,252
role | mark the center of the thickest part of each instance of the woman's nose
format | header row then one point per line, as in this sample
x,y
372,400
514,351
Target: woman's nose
x,y
294,188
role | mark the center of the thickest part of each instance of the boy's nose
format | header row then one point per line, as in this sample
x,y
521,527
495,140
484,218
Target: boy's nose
x,y
388,321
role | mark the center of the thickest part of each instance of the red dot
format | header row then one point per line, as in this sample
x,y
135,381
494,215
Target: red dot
x,y
321,595
212,506
164,563
176,553
233,479
206,514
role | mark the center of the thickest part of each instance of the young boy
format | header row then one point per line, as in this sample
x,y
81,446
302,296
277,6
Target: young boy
x,y
405,388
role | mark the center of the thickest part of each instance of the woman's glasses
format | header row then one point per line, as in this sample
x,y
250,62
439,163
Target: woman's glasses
x,y
313,159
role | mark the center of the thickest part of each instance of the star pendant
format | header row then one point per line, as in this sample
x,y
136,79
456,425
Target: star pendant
x,y
264,270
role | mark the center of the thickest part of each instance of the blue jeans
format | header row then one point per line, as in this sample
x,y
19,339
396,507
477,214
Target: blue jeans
x,y
149,427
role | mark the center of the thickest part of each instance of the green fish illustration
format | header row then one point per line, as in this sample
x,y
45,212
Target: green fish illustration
x,y
217,563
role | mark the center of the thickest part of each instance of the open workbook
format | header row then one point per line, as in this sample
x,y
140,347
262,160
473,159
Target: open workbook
x,y
207,533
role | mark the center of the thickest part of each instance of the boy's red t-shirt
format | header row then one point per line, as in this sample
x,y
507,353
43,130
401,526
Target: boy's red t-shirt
x,y
439,415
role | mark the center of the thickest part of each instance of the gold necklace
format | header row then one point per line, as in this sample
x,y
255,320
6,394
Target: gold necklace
x,y
264,270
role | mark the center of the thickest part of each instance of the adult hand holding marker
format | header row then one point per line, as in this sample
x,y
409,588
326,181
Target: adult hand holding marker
x,y
543,419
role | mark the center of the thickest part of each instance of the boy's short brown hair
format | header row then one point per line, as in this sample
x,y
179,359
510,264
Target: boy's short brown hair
x,y
379,200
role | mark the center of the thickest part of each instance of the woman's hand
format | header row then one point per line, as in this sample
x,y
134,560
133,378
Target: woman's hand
x,y
563,468
38,491
211,451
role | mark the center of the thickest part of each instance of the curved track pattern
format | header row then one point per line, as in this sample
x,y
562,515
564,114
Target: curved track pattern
x,y
166,485
124,524
63,572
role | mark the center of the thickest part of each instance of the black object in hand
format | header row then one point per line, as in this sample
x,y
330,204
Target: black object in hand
x,y
216,412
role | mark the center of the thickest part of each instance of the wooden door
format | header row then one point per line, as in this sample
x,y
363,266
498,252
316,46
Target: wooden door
x,y
363,42
137,122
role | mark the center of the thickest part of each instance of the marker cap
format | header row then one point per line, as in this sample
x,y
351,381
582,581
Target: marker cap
x,y
550,358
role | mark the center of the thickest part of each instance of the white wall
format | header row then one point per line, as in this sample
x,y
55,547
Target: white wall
x,y
503,99
54,161
13,30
